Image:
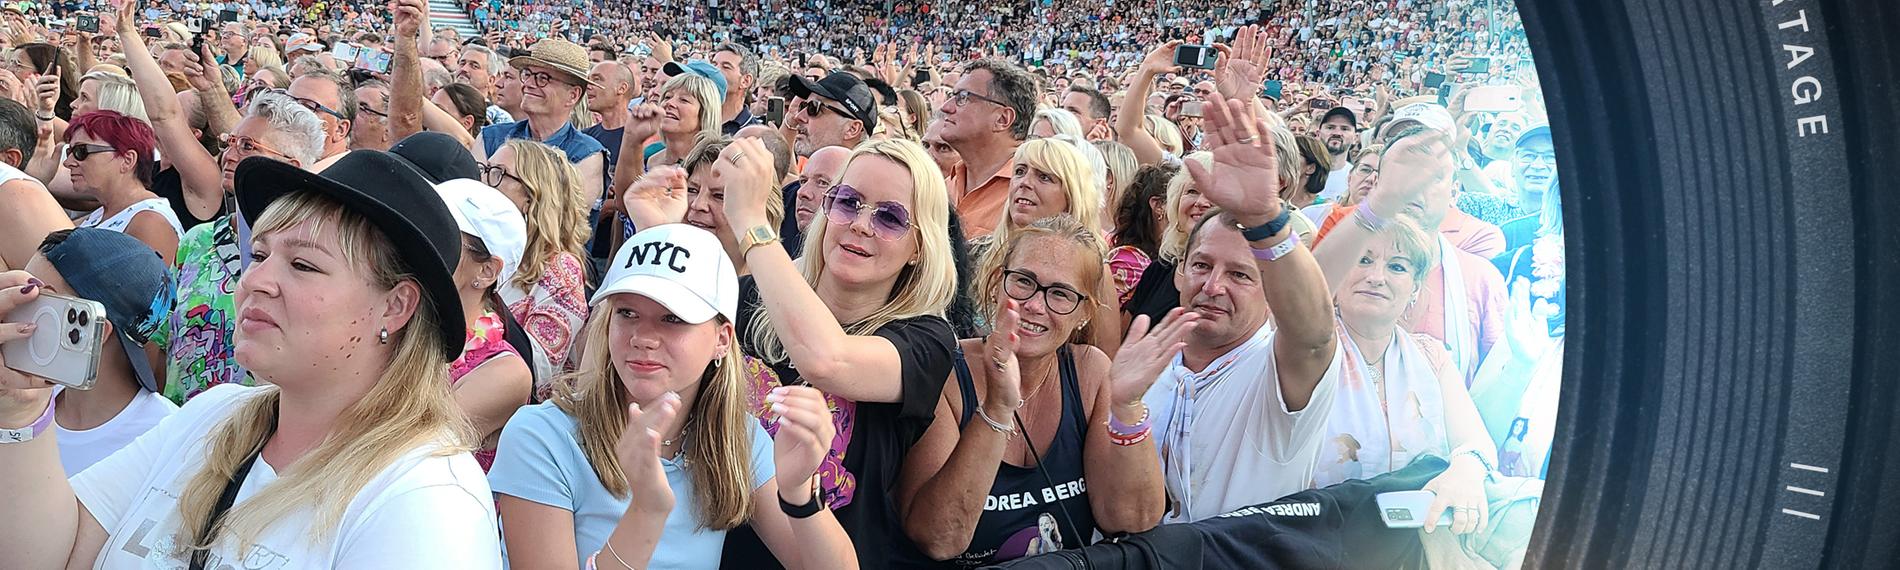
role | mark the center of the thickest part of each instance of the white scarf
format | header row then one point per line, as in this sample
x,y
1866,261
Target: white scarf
x,y
1373,431
1458,315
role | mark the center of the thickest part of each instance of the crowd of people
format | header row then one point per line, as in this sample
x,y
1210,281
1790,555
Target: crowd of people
x,y
768,283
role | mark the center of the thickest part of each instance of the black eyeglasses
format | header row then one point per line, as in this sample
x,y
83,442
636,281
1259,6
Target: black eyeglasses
x,y
540,79
813,108
365,108
492,175
80,152
962,98
310,104
1059,299
843,205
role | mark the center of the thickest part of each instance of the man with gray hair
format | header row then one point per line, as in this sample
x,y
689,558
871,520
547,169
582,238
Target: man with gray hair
x,y
479,67
741,68
332,97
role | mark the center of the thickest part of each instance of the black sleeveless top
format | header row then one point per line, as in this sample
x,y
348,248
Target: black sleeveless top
x,y
1021,516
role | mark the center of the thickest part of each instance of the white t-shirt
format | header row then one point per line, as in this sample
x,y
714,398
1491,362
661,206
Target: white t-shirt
x,y
1231,442
421,512
1336,182
79,449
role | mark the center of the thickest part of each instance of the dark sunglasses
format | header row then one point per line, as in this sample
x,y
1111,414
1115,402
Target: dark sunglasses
x,y
80,152
890,221
1059,299
813,109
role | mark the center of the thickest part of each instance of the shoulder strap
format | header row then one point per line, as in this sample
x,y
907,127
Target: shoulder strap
x,y
965,386
1071,390
225,499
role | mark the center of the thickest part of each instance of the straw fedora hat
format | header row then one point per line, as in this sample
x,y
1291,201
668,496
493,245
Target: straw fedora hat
x,y
565,57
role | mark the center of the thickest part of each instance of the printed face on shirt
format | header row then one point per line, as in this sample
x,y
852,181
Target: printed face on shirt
x,y
1219,279
1382,282
655,352
302,306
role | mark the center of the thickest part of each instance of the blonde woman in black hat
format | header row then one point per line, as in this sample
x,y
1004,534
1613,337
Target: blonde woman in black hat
x,y
352,456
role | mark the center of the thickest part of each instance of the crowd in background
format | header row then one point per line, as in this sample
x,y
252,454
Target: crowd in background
x,y
766,283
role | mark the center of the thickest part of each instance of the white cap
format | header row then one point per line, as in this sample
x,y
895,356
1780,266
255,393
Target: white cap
x,y
485,213
1429,115
679,266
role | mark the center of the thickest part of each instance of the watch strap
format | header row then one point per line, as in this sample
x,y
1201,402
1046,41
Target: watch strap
x,y
1269,229
33,430
806,510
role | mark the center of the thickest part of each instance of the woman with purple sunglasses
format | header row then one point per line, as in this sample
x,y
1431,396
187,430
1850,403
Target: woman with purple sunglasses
x,y
859,316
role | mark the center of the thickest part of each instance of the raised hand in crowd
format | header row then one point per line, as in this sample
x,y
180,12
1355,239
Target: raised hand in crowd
x,y
746,169
657,198
804,437
1144,353
1241,68
650,497
643,123
1130,127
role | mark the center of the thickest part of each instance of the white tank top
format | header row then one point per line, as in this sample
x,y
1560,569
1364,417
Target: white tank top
x,y
118,222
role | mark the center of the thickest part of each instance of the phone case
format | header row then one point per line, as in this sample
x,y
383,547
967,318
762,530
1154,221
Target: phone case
x,y
65,348
1406,509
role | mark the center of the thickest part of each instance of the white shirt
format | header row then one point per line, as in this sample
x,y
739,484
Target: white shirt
x,y
1226,437
421,512
79,449
1336,181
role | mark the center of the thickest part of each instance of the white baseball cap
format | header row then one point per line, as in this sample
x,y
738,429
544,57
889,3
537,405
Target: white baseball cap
x,y
485,213
679,266
1429,115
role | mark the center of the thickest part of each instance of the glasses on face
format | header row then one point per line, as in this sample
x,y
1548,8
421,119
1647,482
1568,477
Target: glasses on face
x,y
80,152
365,108
1529,157
1059,299
492,175
889,220
246,145
310,104
539,79
962,98
814,108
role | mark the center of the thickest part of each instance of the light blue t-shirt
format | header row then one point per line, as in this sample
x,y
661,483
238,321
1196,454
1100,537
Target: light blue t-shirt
x,y
539,459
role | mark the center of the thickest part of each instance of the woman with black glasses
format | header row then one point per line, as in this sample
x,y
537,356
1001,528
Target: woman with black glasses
x,y
1014,466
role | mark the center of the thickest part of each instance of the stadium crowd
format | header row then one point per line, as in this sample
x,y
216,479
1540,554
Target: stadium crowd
x,y
764,283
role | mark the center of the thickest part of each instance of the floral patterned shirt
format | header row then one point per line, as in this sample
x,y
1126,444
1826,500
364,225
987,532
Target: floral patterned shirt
x,y
197,336
552,314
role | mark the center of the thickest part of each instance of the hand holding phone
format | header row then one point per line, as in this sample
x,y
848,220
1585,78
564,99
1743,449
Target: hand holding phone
x,y
775,110
1407,509
87,23
1195,56
67,339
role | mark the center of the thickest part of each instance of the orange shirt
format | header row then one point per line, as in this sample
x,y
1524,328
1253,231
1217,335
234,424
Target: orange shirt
x,y
980,208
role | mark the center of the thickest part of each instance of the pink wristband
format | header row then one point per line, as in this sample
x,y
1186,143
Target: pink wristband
x,y
30,431
1368,220
1117,428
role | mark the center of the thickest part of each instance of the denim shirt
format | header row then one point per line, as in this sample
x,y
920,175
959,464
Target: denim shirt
x,y
577,146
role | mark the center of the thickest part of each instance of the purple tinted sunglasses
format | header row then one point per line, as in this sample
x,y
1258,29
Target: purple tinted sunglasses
x,y
890,221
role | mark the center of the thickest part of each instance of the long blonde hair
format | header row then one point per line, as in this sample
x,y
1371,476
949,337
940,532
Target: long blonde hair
x,y
408,407
557,212
718,439
1059,159
1174,238
1165,133
1121,167
922,288
1063,226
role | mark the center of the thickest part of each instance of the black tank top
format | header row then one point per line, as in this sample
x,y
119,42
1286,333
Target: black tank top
x,y
1020,515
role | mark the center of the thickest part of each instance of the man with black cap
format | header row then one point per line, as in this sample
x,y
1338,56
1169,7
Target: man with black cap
x,y
1339,131
132,282
553,79
839,110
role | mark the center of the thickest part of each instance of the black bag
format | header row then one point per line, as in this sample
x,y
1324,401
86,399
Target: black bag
x,y
1334,527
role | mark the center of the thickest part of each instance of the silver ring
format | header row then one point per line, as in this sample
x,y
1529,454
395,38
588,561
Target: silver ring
x,y
736,156
1245,140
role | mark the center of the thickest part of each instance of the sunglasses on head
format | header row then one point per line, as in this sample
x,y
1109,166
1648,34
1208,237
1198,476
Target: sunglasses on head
x,y
843,205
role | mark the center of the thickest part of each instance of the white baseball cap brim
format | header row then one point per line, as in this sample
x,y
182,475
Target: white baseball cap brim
x,y
675,296
679,266
486,213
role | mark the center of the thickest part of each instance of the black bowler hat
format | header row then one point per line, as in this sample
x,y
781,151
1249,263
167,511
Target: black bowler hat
x,y
438,156
397,199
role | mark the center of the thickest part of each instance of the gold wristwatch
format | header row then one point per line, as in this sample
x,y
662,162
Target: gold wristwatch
x,y
759,235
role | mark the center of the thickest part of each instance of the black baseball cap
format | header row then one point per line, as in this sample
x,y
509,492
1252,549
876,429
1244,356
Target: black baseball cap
x,y
1351,119
397,199
847,90
438,157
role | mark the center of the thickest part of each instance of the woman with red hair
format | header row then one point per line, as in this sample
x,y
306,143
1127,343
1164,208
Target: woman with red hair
x,y
110,157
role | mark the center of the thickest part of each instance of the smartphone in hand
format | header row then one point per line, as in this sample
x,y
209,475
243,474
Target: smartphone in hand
x,y
1195,56
65,347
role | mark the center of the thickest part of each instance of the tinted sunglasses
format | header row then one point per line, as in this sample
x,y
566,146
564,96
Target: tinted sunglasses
x,y
80,152
813,109
890,221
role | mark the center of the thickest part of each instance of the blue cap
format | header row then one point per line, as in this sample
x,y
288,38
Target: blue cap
x,y
701,68
1536,131
128,278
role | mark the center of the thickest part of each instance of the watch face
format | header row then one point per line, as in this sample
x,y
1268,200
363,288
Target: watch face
x,y
762,233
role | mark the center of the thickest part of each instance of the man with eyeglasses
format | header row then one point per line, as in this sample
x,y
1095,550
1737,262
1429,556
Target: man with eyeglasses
x,y
552,80
986,117
369,126
839,110
1534,169
445,51
333,99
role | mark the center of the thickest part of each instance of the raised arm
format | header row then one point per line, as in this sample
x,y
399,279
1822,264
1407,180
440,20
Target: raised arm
x,y
1410,168
1242,181
405,103
1128,123
642,123
63,534
865,368
197,169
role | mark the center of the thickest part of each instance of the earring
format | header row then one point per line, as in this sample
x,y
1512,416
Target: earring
x,y
382,337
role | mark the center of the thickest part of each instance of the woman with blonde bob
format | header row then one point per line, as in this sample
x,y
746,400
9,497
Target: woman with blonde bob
x,y
547,294
688,108
858,316
349,453
646,456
